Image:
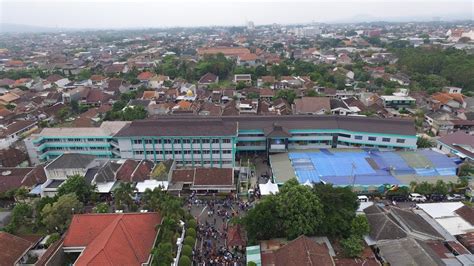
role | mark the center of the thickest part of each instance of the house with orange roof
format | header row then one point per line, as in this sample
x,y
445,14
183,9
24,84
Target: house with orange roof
x,y
227,51
450,102
247,59
145,76
112,238
149,95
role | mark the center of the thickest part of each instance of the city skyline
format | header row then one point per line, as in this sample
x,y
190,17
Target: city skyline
x,y
146,14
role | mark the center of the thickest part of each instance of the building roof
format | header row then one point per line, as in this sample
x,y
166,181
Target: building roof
x,y
16,127
208,78
145,75
70,161
113,239
307,105
228,51
15,177
142,171
209,127
303,251
458,138
381,226
227,125
107,128
406,251
183,175
125,171
213,177
12,248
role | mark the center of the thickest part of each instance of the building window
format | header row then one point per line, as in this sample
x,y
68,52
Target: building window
x,y
400,140
215,140
206,140
358,137
385,139
372,138
345,135
225,140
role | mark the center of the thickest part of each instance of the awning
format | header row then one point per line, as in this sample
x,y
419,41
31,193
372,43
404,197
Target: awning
x,y
151,184
268,188
105,187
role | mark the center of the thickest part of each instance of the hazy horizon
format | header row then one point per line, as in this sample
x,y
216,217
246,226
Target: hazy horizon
x,y
108,14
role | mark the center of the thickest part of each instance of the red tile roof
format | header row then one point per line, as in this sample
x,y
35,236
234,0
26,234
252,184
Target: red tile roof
x,y
214,176
142,171
303,251
125,171
12,248
113,239
145,75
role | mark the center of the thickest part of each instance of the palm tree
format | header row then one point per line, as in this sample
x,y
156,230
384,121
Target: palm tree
x,y
124,195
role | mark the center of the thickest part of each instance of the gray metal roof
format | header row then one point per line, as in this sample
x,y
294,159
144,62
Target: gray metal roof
x,y
71,161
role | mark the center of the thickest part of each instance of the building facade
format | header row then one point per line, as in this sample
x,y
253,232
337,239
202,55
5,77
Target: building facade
x,y
215,142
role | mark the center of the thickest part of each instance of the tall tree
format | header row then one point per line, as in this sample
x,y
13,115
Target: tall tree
x,y
78,185
262,221
301,209
57,216
339,206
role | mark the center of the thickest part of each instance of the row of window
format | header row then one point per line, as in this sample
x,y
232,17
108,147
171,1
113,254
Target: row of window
x,y
371,138
183,152
179,141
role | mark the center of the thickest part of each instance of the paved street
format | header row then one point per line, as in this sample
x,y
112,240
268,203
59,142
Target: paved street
x,y
213,217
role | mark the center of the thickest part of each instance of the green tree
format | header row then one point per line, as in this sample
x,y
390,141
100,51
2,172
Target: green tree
x,y
262,221
423,142
191,232
241,85
301,209
21,194
57,216
187,251
184,261
352,246
101,208
78,185
360,226
123,195
466,169
424,188
52,239
190,241
163,254
84,74
286,94
339,206
441,187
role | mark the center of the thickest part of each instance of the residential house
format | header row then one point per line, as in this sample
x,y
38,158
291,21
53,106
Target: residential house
x,y
112,238
16,177
208,79
394,101
312,106
458,143
450,102
14,249
400,78
339,107
14,131
64,166
202,180
247,59
245,78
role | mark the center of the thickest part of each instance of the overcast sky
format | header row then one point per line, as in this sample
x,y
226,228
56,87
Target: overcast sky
x,y
166,13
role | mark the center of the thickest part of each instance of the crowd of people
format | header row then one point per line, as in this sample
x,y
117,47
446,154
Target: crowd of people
x,y
213,222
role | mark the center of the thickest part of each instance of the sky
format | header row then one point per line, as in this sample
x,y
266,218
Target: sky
x,y
102,14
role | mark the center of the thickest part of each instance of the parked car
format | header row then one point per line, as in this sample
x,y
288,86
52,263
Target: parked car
x,y
362,198
455,197
417,197
437,197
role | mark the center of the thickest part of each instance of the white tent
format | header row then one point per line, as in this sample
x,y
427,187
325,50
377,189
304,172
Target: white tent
x,y
268,188
151,184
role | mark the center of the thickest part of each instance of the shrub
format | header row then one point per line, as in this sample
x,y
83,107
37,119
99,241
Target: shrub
x,y
190,241
192,223
191,232
184,261
187,251
52,238
352,246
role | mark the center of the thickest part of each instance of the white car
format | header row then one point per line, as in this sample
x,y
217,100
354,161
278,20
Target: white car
x,y
362,198
455,197
417,197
